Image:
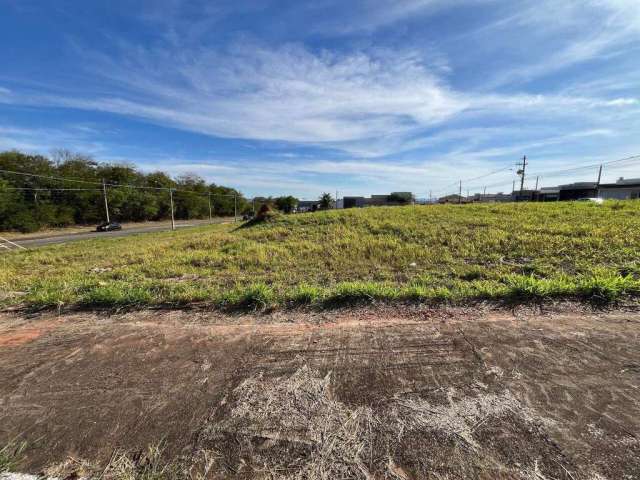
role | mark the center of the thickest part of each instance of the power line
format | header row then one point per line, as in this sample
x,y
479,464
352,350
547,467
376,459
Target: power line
x,y
49,177
486,175
465,180
54,189
631,159
30,189
114,185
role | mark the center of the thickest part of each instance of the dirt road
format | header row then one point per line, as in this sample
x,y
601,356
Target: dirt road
x,y
366,393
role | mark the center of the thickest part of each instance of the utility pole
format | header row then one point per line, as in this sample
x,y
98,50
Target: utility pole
x,y
106,202
521,172
430,197
513,187
484,194
173,220
235,208
210,215
599,175
460,193
537,178
336,204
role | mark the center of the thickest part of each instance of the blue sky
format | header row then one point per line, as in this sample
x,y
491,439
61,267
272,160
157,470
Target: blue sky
x,y
361,96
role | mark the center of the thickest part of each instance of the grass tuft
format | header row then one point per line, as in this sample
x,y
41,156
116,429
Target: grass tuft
x,y
258,296
357,292
11,455
604,286
304,294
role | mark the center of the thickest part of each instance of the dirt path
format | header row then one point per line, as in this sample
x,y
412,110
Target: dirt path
x,y
458,393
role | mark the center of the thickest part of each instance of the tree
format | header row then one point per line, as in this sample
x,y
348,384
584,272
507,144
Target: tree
x,y
286,204
70,191
225,200
401,198
326,201
8,201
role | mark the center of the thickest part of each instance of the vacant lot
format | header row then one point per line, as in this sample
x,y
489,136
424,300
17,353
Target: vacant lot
x,y
398,393
447,252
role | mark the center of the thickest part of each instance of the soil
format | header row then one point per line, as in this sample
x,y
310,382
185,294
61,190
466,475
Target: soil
x,y
427,393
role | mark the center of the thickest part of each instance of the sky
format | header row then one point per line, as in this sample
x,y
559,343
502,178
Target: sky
x,y
299,98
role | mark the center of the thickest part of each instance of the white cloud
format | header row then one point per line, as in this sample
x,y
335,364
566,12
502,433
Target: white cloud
x,y
5,93
287,94
438,173
574,31
44,140
366,104
369,15
622,102
360,102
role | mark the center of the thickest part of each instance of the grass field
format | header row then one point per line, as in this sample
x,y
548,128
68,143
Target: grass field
x,y
435,253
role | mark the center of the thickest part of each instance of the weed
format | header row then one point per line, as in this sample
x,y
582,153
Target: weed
x,y
11,455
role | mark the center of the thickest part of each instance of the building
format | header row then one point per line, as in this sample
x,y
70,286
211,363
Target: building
x,y
549,194
354,202
453,198
525,195
621,190
377,201
395,198
490,197
401,198
308,205
578,190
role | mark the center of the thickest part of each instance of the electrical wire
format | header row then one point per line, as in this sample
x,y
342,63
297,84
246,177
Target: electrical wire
x,y
618,162
631,159
465,180
55,189
113,185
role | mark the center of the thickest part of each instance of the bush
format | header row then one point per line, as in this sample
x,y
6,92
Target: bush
x,y
22,221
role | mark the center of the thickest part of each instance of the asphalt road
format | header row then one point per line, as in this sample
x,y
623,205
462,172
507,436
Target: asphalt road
x,y
126,231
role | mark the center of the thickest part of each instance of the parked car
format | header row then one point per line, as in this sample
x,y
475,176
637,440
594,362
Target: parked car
x,y
592,200
108,227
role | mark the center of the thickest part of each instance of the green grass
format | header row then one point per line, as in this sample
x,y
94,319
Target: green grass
x,y
438,253
10,456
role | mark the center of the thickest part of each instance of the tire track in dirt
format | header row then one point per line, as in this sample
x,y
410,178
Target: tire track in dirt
x,y
95,382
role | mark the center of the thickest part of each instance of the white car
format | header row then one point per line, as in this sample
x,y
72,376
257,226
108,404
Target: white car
x,y
592,200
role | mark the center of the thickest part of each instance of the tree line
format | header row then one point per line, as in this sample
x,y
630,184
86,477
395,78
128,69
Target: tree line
x,y
289,204
29,203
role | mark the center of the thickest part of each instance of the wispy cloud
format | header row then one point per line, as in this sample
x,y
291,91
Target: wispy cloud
x,y
360,95
44,140
369,15
288,94
366,103
574,32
